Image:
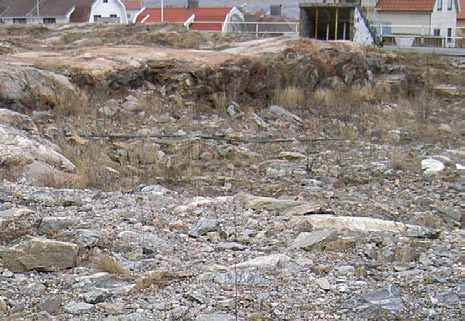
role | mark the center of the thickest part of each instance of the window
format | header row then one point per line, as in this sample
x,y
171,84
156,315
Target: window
x,y
449,34
113,16
106,1
439,6
19,20
48,21
449,5
436,32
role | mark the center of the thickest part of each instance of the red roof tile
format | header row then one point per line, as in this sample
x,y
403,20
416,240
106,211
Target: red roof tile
x,y
406,5
48,8
211,14
206,19
133,4
171,15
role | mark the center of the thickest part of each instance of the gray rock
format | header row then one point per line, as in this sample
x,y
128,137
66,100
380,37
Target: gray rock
x,y
54,224
388,298
95,296
448,298
244,276
78,308
203,226
323,283
33,253
266,203
82,237
34,289
278,112
215,317
307,240
432,166
142,239
131,317
154,190
364,224
265,262
51,305
197,297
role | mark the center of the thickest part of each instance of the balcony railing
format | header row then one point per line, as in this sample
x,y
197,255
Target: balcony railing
x,y
420,35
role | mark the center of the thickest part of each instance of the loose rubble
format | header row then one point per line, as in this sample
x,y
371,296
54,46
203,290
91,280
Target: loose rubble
x,y
241,212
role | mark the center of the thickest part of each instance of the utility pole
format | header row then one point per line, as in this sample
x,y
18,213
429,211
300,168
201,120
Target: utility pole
x,y
37,6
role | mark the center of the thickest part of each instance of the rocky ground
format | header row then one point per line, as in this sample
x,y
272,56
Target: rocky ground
x,y
278,179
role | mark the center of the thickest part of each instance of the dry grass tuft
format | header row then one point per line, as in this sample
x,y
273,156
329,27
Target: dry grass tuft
x,y
397,161
108,264
290,97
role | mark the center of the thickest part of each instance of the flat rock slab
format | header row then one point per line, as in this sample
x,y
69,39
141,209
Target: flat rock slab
x,y
363,224
265,203
215,317
307,240
34,253
263,262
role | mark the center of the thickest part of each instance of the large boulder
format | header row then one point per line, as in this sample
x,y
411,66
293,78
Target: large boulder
x,y
25,155
28,88
34,253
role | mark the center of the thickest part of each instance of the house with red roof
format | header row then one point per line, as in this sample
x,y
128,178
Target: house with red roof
x,y
436,19
62,11
213,19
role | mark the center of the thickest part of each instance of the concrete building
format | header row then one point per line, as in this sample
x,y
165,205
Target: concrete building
x,y
335,21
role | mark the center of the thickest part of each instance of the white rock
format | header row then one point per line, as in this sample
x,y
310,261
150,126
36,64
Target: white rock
x,y
432,166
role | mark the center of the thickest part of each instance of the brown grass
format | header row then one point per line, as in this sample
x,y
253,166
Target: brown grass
x,y
108,264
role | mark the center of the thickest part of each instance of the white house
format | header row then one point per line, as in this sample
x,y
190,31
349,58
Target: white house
x,y
108,11
435,19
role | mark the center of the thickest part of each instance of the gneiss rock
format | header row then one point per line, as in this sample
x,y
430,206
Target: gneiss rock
x,y
203,226
54,224
431,166
388,298
265,203
307,240
34,253
78,308
364,224
51,304
215,317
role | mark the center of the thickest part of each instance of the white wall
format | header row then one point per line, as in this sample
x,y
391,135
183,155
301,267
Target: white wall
x,y
444,19
406,19
362,34
115,7
235,15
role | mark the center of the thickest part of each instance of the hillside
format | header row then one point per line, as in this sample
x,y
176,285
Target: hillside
x,y
149,173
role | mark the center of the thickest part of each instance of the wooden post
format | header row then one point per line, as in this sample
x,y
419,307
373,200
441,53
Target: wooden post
x,y
336,24
316,23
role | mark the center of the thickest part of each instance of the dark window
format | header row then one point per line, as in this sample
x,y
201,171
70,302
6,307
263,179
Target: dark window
x,y
449,34
113,16
449,5
436,32
106,1
19,20
49,21
439,5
